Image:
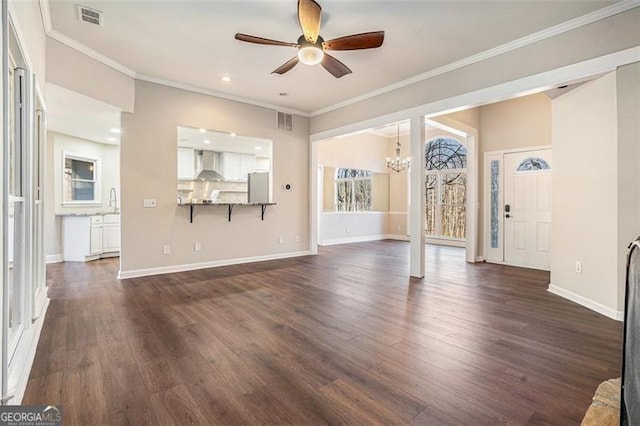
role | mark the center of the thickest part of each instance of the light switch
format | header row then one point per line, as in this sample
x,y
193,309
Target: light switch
x,y
149,202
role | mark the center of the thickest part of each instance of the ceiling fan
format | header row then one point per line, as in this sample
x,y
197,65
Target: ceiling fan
x,y
312,47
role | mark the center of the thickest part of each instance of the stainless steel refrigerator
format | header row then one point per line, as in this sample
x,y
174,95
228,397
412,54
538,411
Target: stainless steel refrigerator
x,y
259,188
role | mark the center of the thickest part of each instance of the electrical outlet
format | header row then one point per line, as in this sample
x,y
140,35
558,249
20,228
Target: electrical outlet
x,y
399,228
166,249
578,267
348,229
297,238
149,202
280,240
197,247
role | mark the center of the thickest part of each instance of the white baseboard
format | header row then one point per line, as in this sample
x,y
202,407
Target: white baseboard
x,y
21,364
54,258
358,239
587,303
204,265
397,237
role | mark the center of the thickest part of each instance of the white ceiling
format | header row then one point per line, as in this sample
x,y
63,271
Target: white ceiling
x,y
78,115
191,42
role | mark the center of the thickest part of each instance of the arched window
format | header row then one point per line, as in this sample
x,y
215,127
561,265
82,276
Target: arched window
x,y
446,188
532,164
445,153
353,189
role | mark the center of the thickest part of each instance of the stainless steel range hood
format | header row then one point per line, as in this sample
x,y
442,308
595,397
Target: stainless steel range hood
x,y
208,166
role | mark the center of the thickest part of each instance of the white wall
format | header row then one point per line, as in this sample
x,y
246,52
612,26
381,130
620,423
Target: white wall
x,y
149,170
628,97
350,227
585,194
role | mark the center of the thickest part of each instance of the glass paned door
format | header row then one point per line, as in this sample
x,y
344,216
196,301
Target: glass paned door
x,y
453,192
446,204
432,204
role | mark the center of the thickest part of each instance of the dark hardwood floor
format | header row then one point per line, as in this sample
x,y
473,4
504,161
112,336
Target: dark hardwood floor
x,y
340,338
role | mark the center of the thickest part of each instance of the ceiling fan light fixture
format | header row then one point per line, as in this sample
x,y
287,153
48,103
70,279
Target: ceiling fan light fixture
x,y
310,55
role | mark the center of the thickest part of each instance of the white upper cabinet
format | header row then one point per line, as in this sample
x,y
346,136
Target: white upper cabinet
x,y
186,163
263,164
235,166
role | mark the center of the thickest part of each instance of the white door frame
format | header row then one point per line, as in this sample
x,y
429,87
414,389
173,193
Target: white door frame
x,y
496,254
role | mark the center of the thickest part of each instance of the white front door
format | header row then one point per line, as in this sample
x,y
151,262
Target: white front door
x,y
527,209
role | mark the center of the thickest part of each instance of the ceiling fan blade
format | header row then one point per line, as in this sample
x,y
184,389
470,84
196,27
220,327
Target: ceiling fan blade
x,y
334,66
260,40
309,15
286,66
356,41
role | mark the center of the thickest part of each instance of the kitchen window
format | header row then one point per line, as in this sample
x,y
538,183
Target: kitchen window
x,y
80,180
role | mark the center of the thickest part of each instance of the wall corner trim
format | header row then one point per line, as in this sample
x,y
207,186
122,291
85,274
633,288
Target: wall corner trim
x,y
135,273
587,303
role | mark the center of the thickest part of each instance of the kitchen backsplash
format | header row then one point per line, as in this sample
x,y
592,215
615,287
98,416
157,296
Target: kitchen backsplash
x,y
229,192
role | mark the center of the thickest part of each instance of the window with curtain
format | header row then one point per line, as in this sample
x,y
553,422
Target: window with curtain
x,y
353,190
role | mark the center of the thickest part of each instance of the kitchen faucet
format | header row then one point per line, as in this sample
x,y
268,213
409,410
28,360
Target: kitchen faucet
x,y
113,200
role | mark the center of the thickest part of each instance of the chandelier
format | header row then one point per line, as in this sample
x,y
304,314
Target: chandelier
x,y
397,163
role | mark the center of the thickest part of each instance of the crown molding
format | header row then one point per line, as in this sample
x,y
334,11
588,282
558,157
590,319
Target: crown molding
x,y
46,15
587,19
196,89
72,43
581,21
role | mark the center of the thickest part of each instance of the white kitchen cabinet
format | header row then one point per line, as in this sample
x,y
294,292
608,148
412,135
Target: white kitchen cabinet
x,y
82,238
186,163
90,237
111,235
96,235
247,165
263,164
235,166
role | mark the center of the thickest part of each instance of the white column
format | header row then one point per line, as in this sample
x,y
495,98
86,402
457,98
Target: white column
x,y
418,198
313,200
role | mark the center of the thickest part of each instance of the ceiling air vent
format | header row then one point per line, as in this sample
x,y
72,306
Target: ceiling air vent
x,y
91,16
285,122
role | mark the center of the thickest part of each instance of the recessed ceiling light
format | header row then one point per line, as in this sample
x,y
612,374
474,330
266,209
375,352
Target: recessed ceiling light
x,y
115,130
226,79
207,141
202,130
233,135
258,148
111,139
